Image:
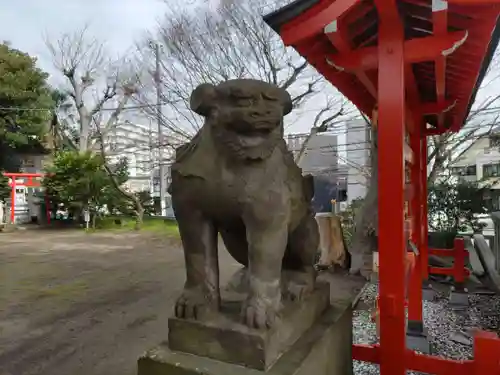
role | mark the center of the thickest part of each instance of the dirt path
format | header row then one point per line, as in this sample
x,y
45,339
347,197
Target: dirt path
x,y
89,304
73,303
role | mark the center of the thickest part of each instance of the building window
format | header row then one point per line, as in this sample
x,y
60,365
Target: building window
x,y
469,170
491,170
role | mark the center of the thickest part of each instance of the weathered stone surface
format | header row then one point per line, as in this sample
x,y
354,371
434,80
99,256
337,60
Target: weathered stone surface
x,y
225,338
236,178
325,349
475,262
332,243
491,278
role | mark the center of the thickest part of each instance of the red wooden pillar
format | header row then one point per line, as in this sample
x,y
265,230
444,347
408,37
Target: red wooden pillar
x,y
486,350
392,246
13,200
424,218
459,262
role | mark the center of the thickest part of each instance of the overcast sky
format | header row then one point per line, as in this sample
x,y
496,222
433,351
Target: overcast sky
x,y
118,22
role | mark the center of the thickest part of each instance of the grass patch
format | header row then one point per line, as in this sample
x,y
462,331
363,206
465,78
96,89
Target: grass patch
x,y
150,224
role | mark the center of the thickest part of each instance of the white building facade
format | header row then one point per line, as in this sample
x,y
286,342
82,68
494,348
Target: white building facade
x,y
481,162
358,159
140,145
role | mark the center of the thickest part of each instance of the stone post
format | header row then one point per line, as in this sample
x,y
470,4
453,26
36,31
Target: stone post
x,y
331,245
495,216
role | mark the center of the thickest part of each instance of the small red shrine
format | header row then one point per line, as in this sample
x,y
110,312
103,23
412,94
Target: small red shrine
x,y
29,180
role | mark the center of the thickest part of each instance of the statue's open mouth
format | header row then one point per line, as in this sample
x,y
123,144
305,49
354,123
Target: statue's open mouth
x,y
253,137
252,134
258,132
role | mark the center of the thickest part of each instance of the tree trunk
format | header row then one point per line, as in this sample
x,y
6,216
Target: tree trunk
x,y
437,167
139,215
365,237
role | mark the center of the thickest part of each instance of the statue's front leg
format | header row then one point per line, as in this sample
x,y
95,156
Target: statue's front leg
x,y
201,293
266,248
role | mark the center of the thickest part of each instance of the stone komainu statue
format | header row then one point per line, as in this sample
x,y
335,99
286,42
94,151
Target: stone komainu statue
x,y
237,178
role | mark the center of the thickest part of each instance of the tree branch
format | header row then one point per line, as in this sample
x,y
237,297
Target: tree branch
x,y
203,46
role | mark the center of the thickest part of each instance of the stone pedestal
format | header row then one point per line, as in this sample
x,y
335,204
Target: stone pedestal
x,y
311,337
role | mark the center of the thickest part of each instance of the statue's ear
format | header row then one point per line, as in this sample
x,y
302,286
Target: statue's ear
x,y
287,103
203,99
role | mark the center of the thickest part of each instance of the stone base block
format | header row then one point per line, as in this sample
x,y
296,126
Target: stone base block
x,y
417,337
325,349
226,339
459,299
428,293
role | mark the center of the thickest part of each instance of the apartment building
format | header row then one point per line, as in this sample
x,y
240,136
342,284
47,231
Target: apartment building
x,y
481,162
140,145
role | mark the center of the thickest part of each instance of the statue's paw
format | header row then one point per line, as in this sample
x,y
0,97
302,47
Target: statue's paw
x,y
298,285
297,291
259,313
195,303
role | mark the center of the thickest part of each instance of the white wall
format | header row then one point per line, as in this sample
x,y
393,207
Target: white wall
x,y
139,144
358,157
320,153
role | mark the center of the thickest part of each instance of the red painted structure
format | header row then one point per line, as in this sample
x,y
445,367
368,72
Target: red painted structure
x,y
29,180
458,271
420,62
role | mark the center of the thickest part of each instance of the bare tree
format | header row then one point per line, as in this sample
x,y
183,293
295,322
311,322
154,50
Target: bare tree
x,y
321,124
127,92
98,91
93,81
364,238
215,45
444,149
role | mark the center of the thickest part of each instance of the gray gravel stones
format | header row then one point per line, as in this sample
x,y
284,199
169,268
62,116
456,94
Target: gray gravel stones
x,y
449,330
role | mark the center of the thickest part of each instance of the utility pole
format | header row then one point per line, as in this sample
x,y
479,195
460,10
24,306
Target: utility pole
x,y
163,189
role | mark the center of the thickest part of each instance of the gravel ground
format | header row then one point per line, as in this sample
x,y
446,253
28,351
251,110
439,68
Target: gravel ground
x,y
444,325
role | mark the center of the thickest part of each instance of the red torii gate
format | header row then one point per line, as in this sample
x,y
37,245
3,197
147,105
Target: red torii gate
x,y
421,62
29,180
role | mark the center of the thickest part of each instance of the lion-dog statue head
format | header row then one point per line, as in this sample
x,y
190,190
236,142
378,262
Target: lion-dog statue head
x,y
245,116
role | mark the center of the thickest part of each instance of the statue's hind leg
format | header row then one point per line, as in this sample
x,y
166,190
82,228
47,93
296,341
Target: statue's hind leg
x,y
299,275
